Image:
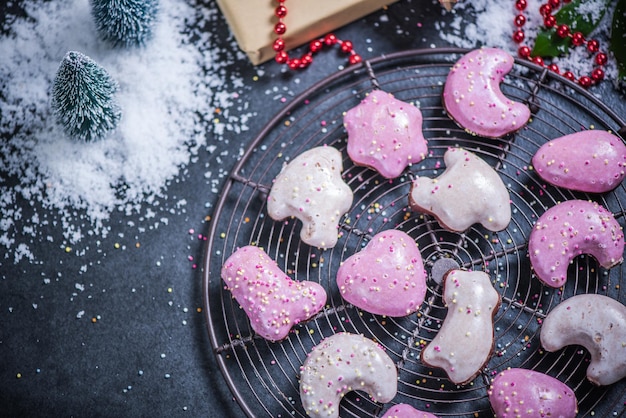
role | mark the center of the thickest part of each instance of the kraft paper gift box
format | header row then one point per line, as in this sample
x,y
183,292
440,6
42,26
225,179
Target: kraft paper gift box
x,y
252,21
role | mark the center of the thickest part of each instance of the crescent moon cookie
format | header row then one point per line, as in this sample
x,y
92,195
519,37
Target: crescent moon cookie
x,y
342,363
404,410
569,229
588,161
469,191
472,95
529,394
387,277
465,341
596,322
385,134
273,302
311,189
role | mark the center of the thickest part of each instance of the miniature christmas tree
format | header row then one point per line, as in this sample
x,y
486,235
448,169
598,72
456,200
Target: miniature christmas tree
x,y
83,98
125,22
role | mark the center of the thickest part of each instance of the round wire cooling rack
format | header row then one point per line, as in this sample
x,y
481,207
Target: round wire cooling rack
x,y
263,376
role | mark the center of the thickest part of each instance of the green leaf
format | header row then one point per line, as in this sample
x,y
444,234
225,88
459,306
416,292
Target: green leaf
x,y
580,16
618,38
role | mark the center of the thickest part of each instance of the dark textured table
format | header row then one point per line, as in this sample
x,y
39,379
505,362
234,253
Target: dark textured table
x,y
142,347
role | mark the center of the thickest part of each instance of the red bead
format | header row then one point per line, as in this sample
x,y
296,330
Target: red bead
x,y
294,63
554,68
520,20
316,46
518,36
330,39
354,59
584,81
593,46
282,57
306,59
578,38
281,11
545,10
549,21
280,28
569,75
346,46
279,44
601,58
597,74
538,60
523,51
554,3
562,31
521,5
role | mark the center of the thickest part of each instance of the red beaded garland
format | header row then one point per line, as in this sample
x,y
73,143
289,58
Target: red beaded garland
x,y
562,31
282,57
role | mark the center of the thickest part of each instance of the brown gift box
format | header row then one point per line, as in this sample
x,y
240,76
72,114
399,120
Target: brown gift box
x,y
252,21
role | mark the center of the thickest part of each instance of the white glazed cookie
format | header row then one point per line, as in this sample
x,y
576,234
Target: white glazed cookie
x,y
472,95
465,341
469,191
596,322
273,301
342,363
311,189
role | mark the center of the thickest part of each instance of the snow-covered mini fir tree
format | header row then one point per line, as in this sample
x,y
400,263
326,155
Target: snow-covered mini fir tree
x,y
125,22
83,98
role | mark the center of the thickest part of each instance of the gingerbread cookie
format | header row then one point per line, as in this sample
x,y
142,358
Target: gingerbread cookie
x,y
273,302
465,341
469,191
588,161
596,322
342,363
524,393
385,134
387,277
472,95
311,189
569,229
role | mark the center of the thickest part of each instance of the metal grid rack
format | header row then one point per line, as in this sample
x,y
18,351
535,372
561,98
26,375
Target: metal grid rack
x,y
263,376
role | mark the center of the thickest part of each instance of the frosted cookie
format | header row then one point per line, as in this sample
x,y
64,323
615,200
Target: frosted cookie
x,y
465,341
385,134
469,191
311,189
273,302
524,393
387,277
569,229
588,161
596,322
404,410
472,95
342,363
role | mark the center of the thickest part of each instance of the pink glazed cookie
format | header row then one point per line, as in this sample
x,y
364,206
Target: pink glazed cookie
x,y
524,393
472,95
469,191
404,410
273,302
569,229
588,161
385,134
340,364
387,277
465,341
311,189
